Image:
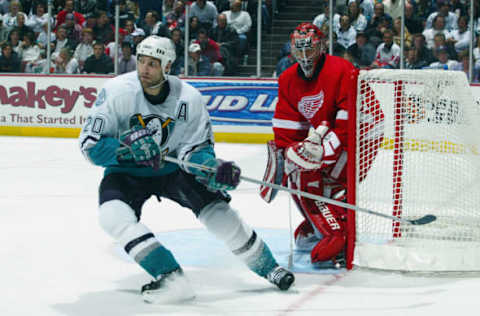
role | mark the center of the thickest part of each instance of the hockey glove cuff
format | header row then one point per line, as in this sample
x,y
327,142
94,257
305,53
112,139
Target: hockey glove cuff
x,y
226,177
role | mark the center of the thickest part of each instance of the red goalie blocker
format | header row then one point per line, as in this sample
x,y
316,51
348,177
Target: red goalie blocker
x,y
372,124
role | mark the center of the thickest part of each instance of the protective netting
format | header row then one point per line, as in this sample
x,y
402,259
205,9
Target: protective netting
x,y
417,153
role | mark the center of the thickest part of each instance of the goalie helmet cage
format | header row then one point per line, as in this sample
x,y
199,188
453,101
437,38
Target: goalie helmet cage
x,y
416,136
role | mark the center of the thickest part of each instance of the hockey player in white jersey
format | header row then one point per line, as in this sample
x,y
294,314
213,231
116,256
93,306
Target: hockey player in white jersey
x,y
137,119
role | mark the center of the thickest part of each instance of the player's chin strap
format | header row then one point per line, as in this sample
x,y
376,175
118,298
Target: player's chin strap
x,y
158,85
420,221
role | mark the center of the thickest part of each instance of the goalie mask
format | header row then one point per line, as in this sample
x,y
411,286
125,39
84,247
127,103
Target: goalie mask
x,y
308,45
160,48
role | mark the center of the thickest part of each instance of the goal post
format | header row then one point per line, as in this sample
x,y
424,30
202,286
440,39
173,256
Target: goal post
x,y
414,150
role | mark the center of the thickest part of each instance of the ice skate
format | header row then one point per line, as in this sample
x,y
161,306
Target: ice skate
x,y
281,277
168,288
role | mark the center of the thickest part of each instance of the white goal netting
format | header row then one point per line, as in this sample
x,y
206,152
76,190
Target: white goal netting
x,y
417,153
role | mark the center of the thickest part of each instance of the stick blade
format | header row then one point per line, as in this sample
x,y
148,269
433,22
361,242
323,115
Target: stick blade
x,y
427,219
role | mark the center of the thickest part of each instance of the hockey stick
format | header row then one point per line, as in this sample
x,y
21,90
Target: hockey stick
x,y
290,255
420,221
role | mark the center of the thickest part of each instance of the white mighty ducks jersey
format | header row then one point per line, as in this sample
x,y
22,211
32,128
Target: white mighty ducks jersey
x,y
181,123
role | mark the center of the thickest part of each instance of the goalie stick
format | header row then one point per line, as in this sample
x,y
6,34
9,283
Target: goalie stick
x,y
419,221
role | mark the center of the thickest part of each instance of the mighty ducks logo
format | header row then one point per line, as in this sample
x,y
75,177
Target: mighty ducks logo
x,y
161,127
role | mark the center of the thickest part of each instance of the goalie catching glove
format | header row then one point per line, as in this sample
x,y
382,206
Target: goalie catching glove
x,y
317,150
138,145
226,177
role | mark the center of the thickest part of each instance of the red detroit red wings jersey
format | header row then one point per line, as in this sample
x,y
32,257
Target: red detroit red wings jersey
x,y
303,103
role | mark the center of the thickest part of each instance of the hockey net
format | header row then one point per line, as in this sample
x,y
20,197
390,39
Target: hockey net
x,y
417,152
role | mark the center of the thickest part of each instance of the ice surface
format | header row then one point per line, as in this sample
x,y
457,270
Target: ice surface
x,y
55,259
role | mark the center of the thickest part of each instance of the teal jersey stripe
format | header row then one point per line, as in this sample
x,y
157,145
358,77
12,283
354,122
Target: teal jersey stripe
x,y
167,168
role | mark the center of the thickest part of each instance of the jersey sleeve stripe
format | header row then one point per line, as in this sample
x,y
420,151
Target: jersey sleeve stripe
x,y
342,115
287,124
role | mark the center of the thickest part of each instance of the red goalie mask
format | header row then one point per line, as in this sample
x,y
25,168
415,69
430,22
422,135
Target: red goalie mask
x,y
308,45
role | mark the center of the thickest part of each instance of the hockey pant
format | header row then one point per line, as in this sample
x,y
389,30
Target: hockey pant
x,y
323,227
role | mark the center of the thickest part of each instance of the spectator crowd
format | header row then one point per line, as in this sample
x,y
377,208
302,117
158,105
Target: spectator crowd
x,y
368,33
82,35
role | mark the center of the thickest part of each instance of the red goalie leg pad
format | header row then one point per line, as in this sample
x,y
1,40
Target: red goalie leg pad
x,y
320,215
327,249
304,229
323,218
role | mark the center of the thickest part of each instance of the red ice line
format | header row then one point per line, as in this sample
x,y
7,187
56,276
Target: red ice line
x,y
305,298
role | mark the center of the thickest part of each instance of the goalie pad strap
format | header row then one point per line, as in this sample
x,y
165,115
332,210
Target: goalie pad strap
x,y
273,172
323,218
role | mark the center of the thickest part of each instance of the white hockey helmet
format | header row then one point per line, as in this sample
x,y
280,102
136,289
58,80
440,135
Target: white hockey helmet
x,y
158,47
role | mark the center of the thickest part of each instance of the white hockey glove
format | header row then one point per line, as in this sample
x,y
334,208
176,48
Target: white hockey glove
x,y
317,150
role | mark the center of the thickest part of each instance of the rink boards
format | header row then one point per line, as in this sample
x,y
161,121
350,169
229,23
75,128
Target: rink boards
x,y
57,105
